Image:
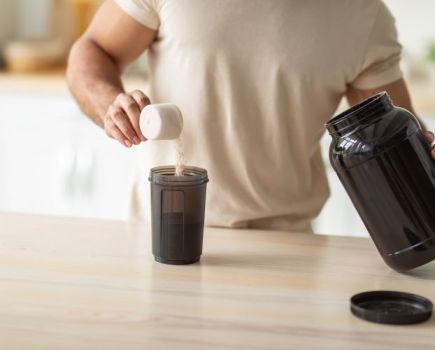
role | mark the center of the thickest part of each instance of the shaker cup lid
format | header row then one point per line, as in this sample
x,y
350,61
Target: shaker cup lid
x,y
391,307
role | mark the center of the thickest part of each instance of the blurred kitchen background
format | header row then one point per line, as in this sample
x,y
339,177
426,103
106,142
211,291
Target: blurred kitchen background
x,y
54,161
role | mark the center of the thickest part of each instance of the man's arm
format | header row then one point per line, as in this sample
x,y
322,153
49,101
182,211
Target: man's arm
x,y
399,94
96,61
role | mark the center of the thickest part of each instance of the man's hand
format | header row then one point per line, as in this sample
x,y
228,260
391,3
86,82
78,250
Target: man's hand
x,y
430,138
121,120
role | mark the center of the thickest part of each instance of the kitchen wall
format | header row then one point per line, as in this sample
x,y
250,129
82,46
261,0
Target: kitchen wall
x,y
34,18
24,18
8,18
416,23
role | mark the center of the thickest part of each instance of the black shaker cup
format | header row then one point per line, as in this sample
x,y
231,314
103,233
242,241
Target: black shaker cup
x,y
384,162
177,214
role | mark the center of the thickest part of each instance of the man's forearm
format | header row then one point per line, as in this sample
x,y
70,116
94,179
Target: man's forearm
x,y
93,78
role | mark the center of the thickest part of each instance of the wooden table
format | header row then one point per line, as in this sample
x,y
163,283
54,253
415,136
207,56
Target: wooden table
x,y
87,284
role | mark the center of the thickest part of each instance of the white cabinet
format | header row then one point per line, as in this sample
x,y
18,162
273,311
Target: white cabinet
x,y
53,160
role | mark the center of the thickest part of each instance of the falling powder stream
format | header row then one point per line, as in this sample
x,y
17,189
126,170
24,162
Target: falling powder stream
x,y
179,165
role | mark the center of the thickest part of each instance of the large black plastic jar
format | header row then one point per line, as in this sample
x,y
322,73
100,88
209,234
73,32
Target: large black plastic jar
x,y
384,162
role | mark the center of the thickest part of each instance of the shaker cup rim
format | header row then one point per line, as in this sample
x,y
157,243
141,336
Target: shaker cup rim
x,y
164,175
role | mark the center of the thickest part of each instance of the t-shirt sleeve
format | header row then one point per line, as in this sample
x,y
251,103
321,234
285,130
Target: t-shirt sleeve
x,y
143,11
381,62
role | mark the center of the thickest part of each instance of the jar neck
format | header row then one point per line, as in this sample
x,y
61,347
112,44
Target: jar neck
x,y
363,113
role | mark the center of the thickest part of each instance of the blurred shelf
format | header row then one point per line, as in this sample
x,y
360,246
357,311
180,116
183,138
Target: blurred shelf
x,y
52,81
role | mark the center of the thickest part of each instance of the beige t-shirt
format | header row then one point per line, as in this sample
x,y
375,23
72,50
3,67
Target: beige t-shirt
x,y
256,80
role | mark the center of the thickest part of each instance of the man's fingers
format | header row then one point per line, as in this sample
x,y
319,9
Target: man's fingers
x,y
429,136
141,99
132,110
120,119
113,131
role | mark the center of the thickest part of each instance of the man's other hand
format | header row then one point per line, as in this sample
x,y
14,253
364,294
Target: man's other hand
x,y
430,138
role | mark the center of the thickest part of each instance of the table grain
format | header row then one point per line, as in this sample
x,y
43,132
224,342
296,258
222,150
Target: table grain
x,y
68,283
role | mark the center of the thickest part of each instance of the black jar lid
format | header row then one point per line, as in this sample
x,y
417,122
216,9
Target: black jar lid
x,y
391,307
